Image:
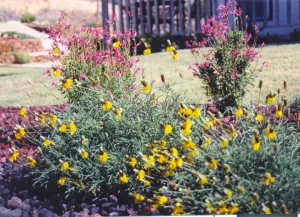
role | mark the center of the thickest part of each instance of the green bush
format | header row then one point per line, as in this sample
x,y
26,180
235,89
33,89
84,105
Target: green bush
x,y
19,35
22,57
27,18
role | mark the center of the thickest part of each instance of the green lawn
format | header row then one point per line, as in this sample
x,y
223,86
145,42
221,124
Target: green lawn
x,y
283,61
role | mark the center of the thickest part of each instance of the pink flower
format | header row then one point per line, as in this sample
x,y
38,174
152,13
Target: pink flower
x,y
53,83
263,45
234,53
266,65
47,72
109,41
83,76
234,74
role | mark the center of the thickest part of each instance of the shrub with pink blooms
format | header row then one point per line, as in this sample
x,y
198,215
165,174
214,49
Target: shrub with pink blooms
x,y
226,70
92,58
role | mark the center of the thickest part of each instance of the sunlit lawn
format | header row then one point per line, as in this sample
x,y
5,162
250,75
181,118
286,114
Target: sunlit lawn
x,y
283,64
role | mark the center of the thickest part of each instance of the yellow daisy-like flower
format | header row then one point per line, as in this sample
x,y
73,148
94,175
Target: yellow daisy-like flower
x,y
117,44
239,112
20,133
207,142
259,117
64,166
161,159
268,178
278,113
56,73
233,134
53,119
107,105
150,161
228,194
172,164
224,143
178,210
267,210
118,113
14,155
189,144
188,123
168,130
124,178
162,200
22,111
47,142
169,173
55,51
163,144
170,48
133,162
138,198
63,128
298,116
62,180
175,56
141,175
256,142
84,141
147,88
84,154
72,128
233,208
67,83
213,164
270,133
32,163
147,51
196,113
103,156
174,152
186,131
202,180
270,99
179,162
146,183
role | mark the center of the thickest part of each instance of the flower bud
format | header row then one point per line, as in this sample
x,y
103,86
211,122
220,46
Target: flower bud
x,y
162,78
260,84
285,84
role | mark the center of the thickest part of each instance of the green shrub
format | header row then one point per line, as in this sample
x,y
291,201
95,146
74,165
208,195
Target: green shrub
x,y
22,57
27,18
19,35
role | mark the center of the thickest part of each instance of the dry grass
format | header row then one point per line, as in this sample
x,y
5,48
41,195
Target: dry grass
x,y
283,61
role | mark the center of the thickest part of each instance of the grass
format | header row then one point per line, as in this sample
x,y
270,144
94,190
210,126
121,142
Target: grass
x,y
283,61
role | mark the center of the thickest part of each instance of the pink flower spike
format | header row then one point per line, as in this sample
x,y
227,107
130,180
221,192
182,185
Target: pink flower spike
x,y
53,83
266,65
83,76
47,72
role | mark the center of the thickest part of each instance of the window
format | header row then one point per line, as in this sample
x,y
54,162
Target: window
x,y
259,9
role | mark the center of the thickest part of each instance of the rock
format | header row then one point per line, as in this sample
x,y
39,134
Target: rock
x,y
96,215
16,202
16,213
102,200
122,210
4,212
94,210
114,214
107,205
45,213
66,214
4,191
113,198
35,213
26,213
104,213
84,213
132,212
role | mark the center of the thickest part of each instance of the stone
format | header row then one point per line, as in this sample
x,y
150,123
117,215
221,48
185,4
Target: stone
x,y
94,210
96,215
122,210
114,214
16,213
16,202
107,205
104,213
66,214
113,198
45,213
4,212
102,200
35,213
84,213
132,212
26,213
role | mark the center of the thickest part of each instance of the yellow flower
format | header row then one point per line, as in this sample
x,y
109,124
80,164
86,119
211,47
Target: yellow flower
x,y
162,200
202,180
270,98
234,208
174,151
147,51
146,183
84,154
14,156
147,88
55,51
84,141
103,156
32,163
278,113
298,116
268,178
67,83
63,128
47,142
256,142
270,133
188,123
149,162
54,119
233,134
168,130
117,44
179,162
207,142
107,105
133,162
213,164
163,144
161,159
118,113
62,180
259,117
240,189
124,178
64,166
228,194
239,112
224,143
138,198
72,128
175,56
267,210
22,111
170,48
172,164
141,175
20,133
196,113
178,210
56,73
186,131
189,144
169,173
